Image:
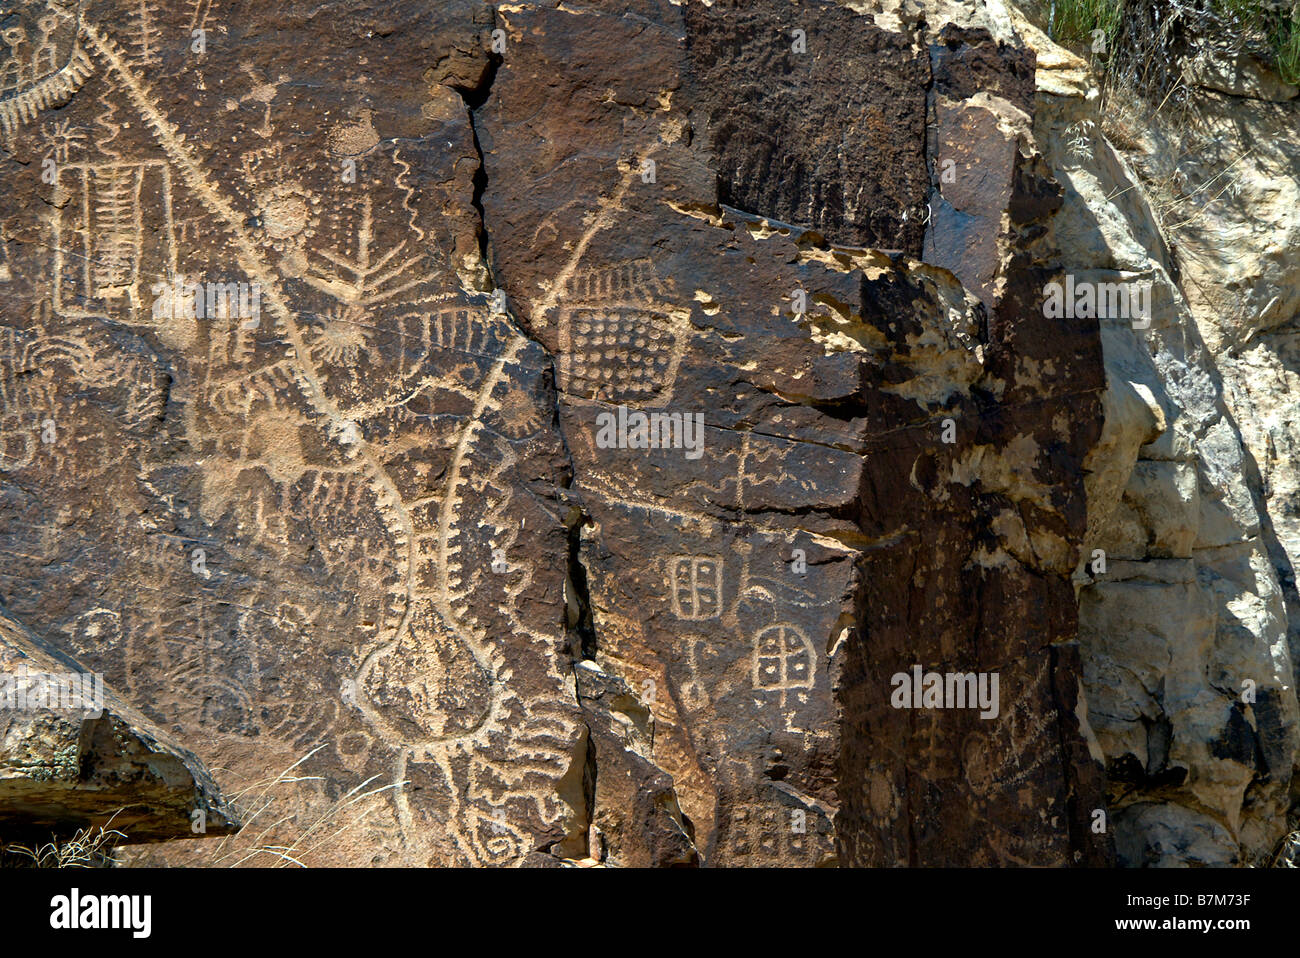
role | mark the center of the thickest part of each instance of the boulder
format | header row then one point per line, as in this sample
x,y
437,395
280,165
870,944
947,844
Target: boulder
x,y
74,756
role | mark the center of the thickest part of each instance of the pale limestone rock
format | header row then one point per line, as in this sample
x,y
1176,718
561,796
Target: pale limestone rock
x,y
1190,607
1237,73
1239,246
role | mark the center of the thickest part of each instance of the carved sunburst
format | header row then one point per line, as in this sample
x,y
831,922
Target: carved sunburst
x,y
520,414
342,338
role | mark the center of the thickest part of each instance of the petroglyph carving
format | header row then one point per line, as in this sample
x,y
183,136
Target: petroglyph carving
x,y
145,34
784,661
63,139
693,693
621,336
33,364
757,830
17,443
44,66
286,216
696,583
263,92
368,282
770,833
103,210
200,10
354,139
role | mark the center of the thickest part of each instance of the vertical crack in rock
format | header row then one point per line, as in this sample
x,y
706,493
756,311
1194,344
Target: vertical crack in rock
x,y
474,99
578,787
578,611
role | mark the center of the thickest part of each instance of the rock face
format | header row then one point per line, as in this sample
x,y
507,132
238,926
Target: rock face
x,y
761,596
1237,252
67,769
588,421
1189,631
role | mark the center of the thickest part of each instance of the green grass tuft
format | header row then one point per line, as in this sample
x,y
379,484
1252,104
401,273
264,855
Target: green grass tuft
x,y
1072,23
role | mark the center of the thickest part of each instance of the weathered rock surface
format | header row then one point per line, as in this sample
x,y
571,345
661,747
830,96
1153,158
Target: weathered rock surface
x,y
63,770
1237,73
1189,632
770,688
380,513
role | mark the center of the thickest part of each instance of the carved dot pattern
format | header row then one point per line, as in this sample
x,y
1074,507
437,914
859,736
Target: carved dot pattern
x,y
628,349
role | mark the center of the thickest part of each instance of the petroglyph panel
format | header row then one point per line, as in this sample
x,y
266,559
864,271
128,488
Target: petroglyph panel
x,y
287,552
825,537
361,527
